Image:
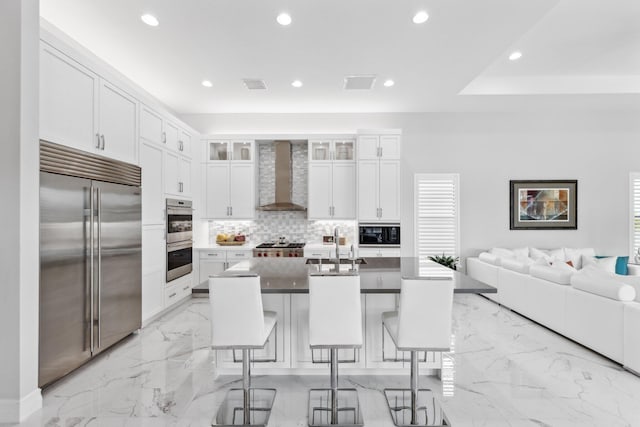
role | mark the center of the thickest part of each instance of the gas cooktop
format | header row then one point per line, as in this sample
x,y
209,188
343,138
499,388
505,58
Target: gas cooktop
x,y
280,245
273,249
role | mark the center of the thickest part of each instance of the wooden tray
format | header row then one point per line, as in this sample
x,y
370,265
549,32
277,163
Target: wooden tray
x,y
230,243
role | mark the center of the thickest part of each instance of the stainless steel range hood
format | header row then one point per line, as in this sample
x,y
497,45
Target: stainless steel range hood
x,y
283,180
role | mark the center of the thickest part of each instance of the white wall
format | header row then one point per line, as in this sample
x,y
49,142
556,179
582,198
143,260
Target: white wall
x,y
599,149
19,183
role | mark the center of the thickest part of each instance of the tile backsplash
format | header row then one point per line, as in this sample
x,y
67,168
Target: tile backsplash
x,y
268,226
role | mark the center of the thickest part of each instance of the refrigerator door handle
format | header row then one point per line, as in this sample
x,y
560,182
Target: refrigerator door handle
x,y
91,272
99,199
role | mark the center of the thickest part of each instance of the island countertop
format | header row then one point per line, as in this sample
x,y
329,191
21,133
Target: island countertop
x,y
379,276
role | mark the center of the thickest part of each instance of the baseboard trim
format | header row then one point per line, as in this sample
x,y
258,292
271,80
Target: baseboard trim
x,y
15,411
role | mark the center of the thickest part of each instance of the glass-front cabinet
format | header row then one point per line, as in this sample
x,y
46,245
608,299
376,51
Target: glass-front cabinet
x,y
331,150
230,150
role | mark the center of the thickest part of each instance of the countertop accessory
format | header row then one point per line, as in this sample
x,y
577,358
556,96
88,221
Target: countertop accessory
x,y
327,240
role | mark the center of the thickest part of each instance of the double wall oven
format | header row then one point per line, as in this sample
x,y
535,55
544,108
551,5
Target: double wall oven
x,y
179,238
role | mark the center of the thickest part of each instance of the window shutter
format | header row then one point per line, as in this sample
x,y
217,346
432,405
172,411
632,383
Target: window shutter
x,y
437,215
635,213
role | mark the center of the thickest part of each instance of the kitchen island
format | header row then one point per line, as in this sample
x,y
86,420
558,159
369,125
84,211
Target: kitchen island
x,y
285,290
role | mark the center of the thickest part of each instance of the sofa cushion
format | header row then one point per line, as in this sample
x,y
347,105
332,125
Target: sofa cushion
x,y
575,255
556,275
538,254
489,258
607,264
521,252
519,264
502,252
603,286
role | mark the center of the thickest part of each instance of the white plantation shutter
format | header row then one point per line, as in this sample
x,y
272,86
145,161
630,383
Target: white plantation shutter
x,y
634,185
437,214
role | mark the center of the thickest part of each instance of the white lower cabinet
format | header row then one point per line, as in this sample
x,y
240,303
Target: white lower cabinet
x,y
379,252
215,261
153,270
177,290
278,344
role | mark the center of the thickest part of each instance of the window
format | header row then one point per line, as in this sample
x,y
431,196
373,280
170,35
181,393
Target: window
x,y
634,187
437,218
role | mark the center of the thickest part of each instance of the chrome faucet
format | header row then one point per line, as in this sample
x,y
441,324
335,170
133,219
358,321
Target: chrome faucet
x,y
336,239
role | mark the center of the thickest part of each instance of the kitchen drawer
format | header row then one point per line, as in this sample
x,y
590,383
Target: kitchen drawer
x,y
317,252
379,252
239,254
177,291
213,254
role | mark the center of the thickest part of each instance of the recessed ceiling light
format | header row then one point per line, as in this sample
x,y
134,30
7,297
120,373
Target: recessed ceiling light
x,y
515,56
296,83
207,83
388,83
284,19
150,20
420,17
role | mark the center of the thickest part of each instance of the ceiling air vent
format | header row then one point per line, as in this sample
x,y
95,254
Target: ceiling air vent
x,y
362,82
254,84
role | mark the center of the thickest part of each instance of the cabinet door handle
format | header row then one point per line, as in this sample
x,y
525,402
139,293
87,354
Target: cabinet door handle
x,y
180,145
164,137
380,151
185,288
102,137
172,295
231,210
98,141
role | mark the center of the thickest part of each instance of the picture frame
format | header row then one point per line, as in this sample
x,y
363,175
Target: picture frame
x,y
543,204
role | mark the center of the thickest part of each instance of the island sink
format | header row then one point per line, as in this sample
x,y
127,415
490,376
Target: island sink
x,y
333,261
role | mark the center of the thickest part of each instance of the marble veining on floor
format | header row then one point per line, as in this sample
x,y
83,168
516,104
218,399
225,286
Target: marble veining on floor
x,y
509,371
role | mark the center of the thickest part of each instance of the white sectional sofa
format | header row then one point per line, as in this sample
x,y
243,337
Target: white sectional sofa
x,y
598,309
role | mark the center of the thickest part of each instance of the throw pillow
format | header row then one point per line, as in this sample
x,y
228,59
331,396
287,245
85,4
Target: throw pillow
x,y
575,256
621,265
521,252
607,264
539,254
502,253
557,255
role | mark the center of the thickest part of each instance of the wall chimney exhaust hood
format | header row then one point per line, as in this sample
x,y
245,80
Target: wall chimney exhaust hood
x,y
283,180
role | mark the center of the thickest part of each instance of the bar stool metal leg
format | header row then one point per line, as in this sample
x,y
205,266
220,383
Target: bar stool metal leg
x,y
336,407
246,406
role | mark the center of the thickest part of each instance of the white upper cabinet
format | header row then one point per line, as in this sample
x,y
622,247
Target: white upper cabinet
x,y
379,178
118,118
151,125
177,175
332,179
237,151
379,147
84,111
368,147
332,150
389,187
217,191
368,190
68,101
230,190
320,189
344,190
160,130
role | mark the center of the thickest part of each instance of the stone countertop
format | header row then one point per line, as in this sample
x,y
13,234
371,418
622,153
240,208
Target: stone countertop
x,y
215,247
380,275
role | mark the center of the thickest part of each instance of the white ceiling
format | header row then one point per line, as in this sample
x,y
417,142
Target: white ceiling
x,y
576,53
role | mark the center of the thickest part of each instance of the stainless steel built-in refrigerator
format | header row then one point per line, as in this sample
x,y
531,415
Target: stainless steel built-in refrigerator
x,y
90,257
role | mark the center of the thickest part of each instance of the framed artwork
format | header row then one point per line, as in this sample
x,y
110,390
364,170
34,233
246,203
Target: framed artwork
x,y
544,205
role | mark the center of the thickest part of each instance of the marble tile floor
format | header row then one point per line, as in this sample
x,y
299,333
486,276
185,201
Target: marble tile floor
x,y
508,371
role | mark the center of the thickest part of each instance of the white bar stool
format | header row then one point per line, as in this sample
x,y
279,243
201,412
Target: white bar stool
x,y
335,322
239,323
422,323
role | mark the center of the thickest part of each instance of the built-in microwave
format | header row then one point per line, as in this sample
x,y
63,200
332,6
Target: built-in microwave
x,y
381,235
